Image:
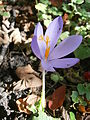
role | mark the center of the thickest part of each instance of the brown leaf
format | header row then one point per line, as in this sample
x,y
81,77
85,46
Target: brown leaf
x,y
87,117
57,98
87,76
31,99
88,101
88,109
29,82
22,71
78,116
4,38
81,108
1,41
65,17
56,2
16,36
28,26
22,106
24,103
28,78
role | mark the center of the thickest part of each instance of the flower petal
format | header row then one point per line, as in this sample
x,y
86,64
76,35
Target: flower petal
x,y
64,63
40,39
66,47
47,66
35,47
53,31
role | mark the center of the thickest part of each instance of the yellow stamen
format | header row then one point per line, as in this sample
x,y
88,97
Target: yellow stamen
x,y
47,52
41,37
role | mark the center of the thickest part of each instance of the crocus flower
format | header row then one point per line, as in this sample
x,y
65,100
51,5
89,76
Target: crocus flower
x,y
50,54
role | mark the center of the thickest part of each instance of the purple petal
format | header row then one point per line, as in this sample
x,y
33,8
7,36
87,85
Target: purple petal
x,y
53,31
66,47
64,63
47,66
35,48
40,39
38,30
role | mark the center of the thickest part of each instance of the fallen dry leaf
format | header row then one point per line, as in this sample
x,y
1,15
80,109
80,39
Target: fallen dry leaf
x,y
28,78
65,17
27,26
88,110
87,117
78,116
24,103
81,108
65,114
31,99
22,106
4,38
87,76
16,36
57,99
22,71
29,82
56,2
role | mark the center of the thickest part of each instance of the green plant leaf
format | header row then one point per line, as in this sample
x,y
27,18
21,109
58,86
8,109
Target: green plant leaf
x,y
78,1
64,35
45,16
84,13
66,8
81,89
46,2
54,11
4,13
56,77
47,22
44,116
82,102
82,52
87,1
41,7
88,91
88,95
72,116
74,97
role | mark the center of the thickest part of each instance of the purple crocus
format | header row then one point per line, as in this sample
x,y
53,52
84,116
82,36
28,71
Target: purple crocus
x,y
44,47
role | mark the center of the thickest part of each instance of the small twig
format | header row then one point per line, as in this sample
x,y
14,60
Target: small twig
x,y
50,88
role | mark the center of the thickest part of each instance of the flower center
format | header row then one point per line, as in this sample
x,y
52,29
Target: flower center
x,y
47,41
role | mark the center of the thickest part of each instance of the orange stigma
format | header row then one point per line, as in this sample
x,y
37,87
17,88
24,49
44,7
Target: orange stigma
x,y
47,52
47,47
47,40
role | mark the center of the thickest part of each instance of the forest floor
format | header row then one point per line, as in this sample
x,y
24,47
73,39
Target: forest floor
x,y
21,72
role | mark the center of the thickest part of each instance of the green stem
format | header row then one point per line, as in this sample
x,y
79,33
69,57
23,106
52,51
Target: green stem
x,y
43,91
36,1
